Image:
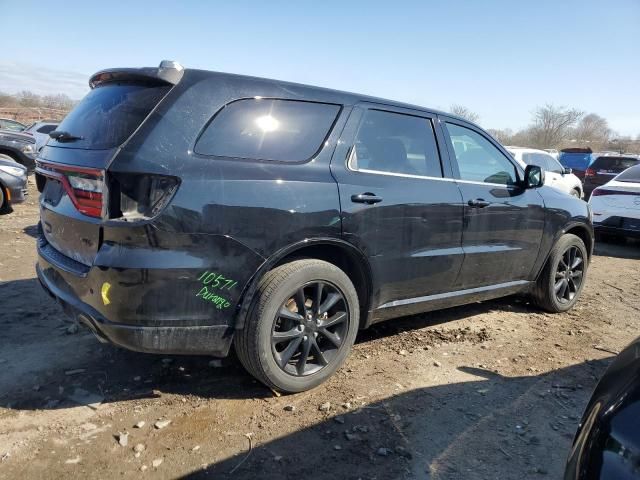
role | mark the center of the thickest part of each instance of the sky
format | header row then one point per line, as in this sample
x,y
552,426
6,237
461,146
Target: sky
x,y
499,58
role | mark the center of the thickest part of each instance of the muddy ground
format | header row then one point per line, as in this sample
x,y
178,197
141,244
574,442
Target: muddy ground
x,y
490,390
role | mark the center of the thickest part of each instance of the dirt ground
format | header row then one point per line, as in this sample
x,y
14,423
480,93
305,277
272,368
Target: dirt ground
x,y
490,390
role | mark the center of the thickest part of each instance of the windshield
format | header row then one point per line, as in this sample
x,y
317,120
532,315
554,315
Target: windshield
x,y
109,114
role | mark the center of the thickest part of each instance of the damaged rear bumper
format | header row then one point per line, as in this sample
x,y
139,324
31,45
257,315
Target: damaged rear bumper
x,y
198,339
149,299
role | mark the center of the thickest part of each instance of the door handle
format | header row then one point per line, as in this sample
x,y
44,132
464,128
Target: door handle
x,y
478,203
367,197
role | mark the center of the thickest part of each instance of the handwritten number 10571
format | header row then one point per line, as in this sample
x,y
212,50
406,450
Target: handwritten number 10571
x,y
217,281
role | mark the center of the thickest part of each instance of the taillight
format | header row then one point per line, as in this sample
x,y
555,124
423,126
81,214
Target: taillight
x,y
84,186
87,190
590,172
139,196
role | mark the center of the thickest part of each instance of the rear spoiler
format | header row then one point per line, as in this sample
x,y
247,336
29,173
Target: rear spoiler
x,y
576,150
168,72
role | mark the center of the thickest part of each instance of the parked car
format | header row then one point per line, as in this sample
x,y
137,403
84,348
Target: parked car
x,y
40,131
607,443
13,183
577,159
12,125
604,167
556,175
553,152
616,205
20,147
282,218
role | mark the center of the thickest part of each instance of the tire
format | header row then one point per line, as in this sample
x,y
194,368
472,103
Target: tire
x,y
260,345
545,293
575,192
5,207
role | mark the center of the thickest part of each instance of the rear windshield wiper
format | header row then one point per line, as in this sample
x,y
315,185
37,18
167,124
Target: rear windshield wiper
x,y
62,136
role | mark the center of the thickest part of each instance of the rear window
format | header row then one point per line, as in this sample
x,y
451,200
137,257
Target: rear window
x,y
578,161
109,114
46,128
613,164
267,129
631,175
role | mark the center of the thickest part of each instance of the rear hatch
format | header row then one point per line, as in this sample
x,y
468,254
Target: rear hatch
x,y
78,193
577,159
605,168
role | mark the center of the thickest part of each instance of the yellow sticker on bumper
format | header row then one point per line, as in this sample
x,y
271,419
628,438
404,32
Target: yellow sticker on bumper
x,y
106,286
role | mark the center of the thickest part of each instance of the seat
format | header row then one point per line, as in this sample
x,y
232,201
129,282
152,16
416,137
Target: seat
x,y
391,156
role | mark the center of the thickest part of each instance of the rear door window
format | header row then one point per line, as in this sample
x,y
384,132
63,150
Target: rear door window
x,y
268,129
478,159
109,114
396,143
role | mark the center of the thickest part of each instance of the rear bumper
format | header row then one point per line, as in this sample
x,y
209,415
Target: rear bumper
x,y
200,340
621,232
619,226
146,310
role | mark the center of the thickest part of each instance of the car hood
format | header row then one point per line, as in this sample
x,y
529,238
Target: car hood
x,y
17,137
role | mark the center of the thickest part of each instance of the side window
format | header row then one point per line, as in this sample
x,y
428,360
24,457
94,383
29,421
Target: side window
x,y
396,143
554,165
268,129
478,159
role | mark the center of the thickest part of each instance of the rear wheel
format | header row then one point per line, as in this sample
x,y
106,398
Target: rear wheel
x,y
301,326
575,192
562,279
4,203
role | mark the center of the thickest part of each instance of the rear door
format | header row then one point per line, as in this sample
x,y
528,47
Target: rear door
x,y
397,207
503,222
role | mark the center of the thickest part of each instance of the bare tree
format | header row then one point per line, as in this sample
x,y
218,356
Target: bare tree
x,y
593,131
552,125
464,112
503,136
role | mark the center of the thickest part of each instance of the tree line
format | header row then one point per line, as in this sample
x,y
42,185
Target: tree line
x,y
560,127
28,99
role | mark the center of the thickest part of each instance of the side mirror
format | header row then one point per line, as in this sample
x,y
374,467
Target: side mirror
x,y
567,171
533,176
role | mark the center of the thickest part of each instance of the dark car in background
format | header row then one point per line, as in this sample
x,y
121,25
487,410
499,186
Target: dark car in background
x,y
20,147
605,167
577,159
13,183
186,210
607,443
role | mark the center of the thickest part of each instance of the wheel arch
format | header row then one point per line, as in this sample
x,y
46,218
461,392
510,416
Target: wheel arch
x,y
332,250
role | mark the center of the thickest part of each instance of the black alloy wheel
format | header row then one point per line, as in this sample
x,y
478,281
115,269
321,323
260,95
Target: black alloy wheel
x,y
310,328
569,274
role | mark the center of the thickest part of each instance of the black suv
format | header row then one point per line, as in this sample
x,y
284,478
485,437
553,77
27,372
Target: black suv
x,y
186,210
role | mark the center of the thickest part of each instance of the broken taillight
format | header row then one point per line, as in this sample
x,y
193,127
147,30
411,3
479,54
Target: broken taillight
x,y
84,186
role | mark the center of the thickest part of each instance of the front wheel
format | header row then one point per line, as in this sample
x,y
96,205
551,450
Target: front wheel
x,y
575,192
301,326
562,279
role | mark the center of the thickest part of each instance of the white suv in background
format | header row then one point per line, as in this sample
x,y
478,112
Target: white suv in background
x,y
556,175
